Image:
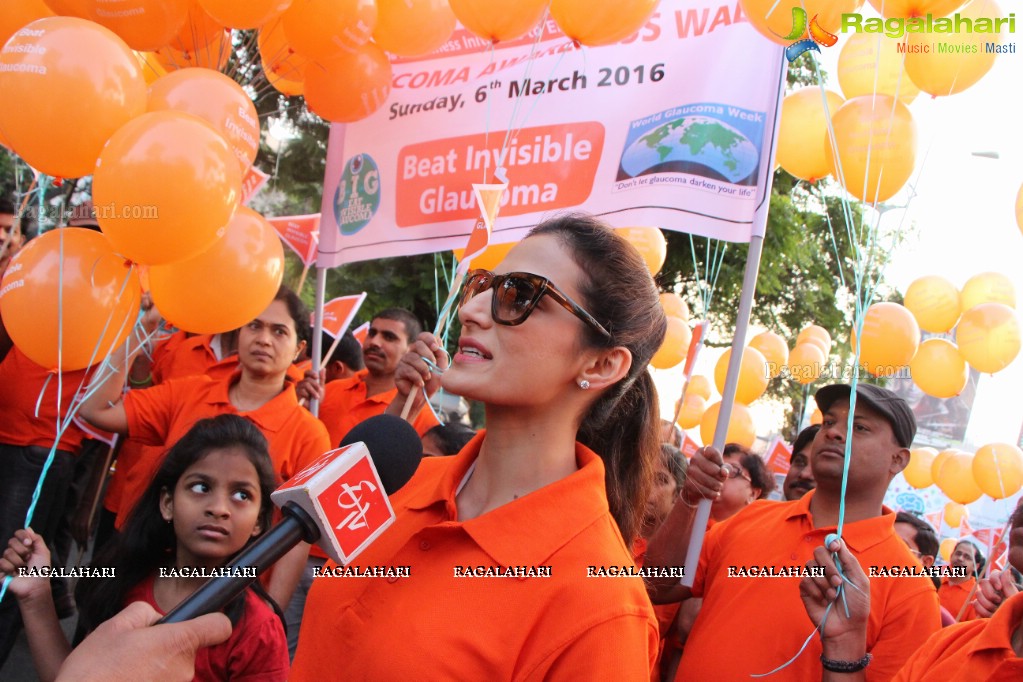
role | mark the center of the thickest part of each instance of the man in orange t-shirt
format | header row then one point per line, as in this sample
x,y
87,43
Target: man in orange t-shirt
x,y
879,632
955,593
983,649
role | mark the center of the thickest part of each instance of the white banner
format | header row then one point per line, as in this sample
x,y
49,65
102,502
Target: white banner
x,y
671,129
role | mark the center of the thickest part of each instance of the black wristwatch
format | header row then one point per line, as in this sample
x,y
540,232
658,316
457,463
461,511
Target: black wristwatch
x,y
834,666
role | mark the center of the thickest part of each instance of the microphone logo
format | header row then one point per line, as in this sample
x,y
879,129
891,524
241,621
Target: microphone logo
x,y
351,498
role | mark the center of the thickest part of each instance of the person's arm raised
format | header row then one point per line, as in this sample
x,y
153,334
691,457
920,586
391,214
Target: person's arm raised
x,y
704,479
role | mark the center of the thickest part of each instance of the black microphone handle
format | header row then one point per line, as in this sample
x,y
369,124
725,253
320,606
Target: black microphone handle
x,y
217,592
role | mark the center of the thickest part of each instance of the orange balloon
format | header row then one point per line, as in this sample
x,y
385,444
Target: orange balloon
x,y
67,107
693,407
247,14
489,259
891,337
143,24
699,385
349,86
674,306
228,284
213,56
753,375
988,287
774,349
806,362
741,428
216,99
955,478
164,186
198,31
938,369
650,243
497,20
89,301
601,22
283,66
675,346
817,417
815,332
939,461
871,63
918,472
773,18
915,8
413,27
989,337
151,67
319,29
998,469
945,549
71,8
940,72
954,514
14,14
804,132
875,137
934,302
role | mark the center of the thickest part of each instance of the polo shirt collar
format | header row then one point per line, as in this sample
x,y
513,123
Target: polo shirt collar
x,y
269,418
357,384
997,632
860,535
551,516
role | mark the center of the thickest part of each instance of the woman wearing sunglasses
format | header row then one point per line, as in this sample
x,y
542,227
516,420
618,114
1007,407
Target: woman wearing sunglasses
x,y
517,547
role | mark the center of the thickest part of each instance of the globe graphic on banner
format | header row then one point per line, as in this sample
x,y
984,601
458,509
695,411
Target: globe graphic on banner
x,y
684,144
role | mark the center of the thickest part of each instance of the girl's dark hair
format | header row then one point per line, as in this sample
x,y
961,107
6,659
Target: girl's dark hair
x,y
623,425
147,542
299,313
760,477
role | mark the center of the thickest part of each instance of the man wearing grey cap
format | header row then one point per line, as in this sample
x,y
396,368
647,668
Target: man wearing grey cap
x,y
766,568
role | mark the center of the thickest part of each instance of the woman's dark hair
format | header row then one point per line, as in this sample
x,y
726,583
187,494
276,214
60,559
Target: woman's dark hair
x,y
299,314
147,542
676,463
760,477
622,425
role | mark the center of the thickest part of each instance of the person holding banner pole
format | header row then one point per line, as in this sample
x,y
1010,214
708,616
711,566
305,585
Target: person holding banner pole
x,y
518,547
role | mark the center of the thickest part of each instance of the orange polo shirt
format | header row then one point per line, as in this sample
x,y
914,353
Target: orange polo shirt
x,y
953,596
21,382
432,623
190,357
161,415
345,405
978,650
903,610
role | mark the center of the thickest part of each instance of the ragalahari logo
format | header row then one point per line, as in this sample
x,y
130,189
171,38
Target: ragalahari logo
x,y
806,37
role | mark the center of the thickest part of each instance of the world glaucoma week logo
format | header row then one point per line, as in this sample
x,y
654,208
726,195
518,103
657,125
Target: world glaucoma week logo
x,y
808,35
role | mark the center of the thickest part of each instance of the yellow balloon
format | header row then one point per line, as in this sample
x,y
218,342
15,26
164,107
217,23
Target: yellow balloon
x,y
918,472
954,514
818,333
947,546
650,243
674,306
943,72
699,385
988,287
989,337
938,369
939,461
955,478
934,302
752,375
998,469
817,417
675,346
774,349
804,132
741,428
891,337
693,407
870,63
875,137
806,362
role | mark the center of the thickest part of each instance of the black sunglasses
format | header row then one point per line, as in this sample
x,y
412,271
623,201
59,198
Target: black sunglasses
x,y
516,295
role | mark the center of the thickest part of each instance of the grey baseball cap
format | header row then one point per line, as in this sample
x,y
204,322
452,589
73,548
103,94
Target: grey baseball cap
x,y
881,400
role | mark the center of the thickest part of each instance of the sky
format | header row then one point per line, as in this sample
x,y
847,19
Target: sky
x,y
960,221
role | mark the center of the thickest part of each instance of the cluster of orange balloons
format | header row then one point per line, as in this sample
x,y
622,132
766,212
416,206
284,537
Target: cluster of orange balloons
x,y
995,470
